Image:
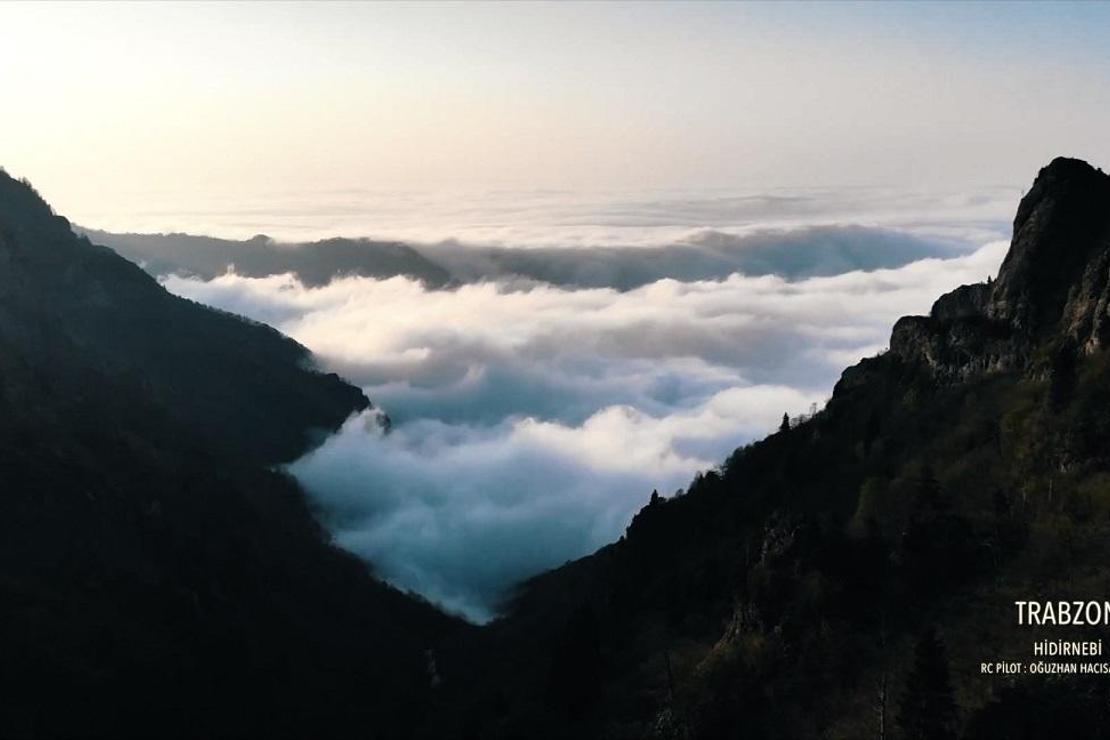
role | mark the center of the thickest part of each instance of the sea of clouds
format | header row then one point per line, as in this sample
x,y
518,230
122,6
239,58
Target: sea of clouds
x,y
531,420
530,218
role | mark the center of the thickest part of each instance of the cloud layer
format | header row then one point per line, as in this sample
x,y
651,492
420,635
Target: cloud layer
x,y
557,219
531,421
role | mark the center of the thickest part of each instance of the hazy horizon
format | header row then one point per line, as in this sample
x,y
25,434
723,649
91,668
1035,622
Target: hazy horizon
x,y
121,108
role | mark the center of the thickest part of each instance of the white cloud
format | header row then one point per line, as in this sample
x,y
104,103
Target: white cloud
x,y
531,422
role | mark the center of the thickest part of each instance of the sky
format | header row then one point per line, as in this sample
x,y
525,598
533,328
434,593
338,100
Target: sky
x,y
117,108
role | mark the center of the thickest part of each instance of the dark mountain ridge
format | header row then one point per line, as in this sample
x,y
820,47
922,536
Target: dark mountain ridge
x,y
250,388
157,578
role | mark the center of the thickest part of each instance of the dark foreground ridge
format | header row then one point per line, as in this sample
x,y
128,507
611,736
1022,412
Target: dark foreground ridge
x,y
245,385
847,576
157,579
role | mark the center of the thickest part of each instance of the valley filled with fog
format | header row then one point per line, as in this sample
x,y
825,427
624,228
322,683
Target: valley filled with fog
x,y
583,352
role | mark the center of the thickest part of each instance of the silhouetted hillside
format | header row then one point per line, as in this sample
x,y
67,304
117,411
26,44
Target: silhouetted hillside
x,y
244,384
156,579
846,576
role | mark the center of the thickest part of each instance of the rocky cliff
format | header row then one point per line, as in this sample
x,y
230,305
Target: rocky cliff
x,y
847,576
1052,289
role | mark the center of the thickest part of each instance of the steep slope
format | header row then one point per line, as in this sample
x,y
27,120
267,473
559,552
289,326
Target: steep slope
x,y
156,579
246,386
846,577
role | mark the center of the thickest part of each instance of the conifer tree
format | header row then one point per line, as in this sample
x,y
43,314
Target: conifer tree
x,y
928,710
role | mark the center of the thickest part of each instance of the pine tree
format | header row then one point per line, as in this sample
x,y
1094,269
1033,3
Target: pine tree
x,y
785,426
574,678
928,709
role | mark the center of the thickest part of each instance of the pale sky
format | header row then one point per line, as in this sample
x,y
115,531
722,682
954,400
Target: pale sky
x,y
103,102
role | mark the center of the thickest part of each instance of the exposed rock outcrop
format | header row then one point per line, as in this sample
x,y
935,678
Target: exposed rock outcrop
x,y
963,302
1060,243
1053,287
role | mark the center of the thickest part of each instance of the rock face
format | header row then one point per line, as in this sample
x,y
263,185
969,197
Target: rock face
x,y
782,593
1053,286
1056,267
963,302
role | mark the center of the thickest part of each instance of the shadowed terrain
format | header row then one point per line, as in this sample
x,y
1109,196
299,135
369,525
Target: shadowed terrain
x,y
157,578
846,576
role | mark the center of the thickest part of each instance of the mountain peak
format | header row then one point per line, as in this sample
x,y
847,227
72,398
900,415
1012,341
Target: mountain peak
x,y
1061,239
1068,167
1053,286
24,213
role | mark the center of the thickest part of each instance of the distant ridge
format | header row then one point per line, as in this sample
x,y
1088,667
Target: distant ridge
x,y
314,263
793,254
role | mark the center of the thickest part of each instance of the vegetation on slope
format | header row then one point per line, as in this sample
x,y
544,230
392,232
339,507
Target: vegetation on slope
x,y
157,579
846,576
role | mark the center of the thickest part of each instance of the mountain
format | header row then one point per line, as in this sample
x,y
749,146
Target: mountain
x,y
314,263
794,254
244,385
158,578
845,577
848,575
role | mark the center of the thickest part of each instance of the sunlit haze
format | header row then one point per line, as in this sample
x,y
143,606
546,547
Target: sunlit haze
x,y
131,108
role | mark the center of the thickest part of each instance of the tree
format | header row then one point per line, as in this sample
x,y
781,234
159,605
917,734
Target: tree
x,y
928,709
938,547
574,678
882,685
785,426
